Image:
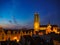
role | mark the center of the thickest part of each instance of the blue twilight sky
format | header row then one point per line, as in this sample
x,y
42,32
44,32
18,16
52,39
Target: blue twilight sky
x,y
20,13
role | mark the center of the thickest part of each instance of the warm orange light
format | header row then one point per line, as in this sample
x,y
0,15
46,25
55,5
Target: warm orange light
x,y
40,33
36,26
30,33
34,32
15,38
54,30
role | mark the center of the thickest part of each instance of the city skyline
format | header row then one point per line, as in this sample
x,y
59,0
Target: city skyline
x,y
20,13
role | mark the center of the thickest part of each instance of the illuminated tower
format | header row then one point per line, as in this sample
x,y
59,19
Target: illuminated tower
x,y
36,22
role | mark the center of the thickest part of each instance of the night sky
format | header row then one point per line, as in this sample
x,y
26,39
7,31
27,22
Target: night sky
x,y
20,13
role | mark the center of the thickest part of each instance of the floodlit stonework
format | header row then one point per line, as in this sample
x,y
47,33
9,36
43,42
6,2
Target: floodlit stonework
x,y
16,34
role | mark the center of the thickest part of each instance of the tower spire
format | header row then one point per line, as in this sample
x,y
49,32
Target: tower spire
x,y
36,22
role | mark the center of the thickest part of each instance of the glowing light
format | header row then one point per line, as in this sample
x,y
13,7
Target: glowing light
x,y
40,33
54,30
15,38
36,26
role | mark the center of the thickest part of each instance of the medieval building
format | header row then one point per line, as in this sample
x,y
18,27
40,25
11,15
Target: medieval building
x,y
16,34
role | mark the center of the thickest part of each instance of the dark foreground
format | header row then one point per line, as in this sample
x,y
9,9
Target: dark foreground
x,y
49,39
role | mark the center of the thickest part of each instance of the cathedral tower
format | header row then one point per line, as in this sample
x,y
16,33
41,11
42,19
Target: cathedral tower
x,y
36,22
